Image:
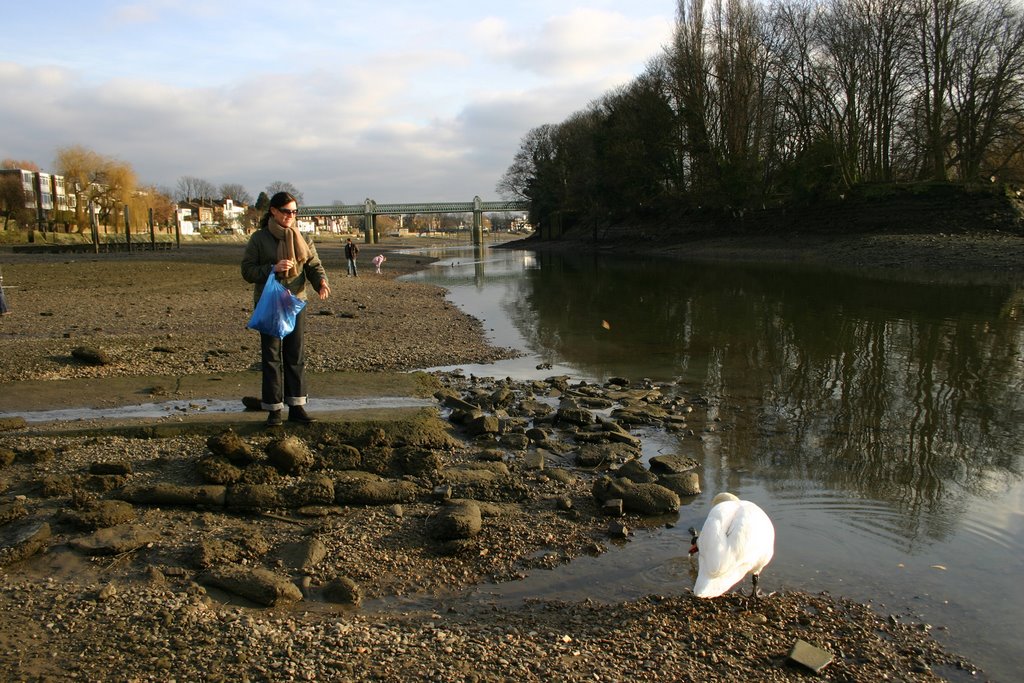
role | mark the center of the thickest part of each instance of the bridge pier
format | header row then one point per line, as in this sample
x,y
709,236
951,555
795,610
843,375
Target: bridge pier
x,y
369,222
478,222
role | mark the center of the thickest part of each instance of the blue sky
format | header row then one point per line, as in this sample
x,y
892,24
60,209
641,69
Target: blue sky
x,y
348,99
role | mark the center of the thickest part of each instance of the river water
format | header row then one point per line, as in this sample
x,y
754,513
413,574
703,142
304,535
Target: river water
x,y
877,421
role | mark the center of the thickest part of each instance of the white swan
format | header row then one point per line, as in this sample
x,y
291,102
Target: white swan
x,y
737,539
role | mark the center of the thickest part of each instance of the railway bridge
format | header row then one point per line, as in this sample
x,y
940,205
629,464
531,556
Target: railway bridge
x,y
370,209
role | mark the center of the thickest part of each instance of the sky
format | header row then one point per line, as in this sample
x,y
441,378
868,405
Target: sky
x,y
345,99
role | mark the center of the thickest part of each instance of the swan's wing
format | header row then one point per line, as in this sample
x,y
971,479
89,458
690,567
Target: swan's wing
x,y
716,569
714,556
755,537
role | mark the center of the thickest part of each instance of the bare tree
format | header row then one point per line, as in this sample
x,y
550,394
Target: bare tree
x,y
282,186
235,192
191,187
987,92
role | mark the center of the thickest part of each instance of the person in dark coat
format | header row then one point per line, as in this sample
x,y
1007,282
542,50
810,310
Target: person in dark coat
x,y
351,252
278,250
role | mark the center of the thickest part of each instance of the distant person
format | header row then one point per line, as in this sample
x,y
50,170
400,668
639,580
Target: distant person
x,y
278,249
377,261
3,299
351,252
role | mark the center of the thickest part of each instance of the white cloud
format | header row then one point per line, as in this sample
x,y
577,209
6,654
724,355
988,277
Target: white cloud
x,y
411,105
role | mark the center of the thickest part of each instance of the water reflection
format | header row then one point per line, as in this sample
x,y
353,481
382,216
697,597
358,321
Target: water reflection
x,y
909,393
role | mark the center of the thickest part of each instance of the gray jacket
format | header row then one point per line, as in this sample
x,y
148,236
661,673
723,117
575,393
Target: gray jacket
x,y
260,257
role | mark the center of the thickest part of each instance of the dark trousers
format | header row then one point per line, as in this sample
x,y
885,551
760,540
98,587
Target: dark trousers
x,y
284,366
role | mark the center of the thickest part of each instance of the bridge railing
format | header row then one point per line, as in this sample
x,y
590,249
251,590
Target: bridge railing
x,y
370,209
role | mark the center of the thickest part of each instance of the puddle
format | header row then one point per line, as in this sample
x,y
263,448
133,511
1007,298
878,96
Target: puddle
x,y
198,406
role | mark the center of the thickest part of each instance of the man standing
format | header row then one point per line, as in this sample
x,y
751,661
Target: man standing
x,y
351,251
3,300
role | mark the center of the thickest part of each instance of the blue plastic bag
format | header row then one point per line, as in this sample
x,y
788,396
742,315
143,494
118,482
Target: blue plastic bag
x,y
276,310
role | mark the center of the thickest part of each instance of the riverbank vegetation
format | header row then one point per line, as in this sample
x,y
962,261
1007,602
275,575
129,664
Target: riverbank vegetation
x,y
759,107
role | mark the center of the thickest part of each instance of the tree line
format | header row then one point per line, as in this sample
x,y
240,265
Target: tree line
x,y
760,104
110,185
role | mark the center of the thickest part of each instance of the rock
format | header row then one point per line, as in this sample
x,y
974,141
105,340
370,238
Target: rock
x,y
289,455
115,540
617,529
313,490
459,519
172,494
515,441
339,457
537,434
258,585
377,491
10,424
501,397
474,473
302,555
12,511
643,499
612,507
22,539
484,424
603,454
534,408
252,403
214,551
416,461
110,468
90,355
254,497
685,484
672,464
491,455
217,470
6,455
455,403
229,445
640,414
55,485
575,415
635,471
101,514
534,460
106,593
103,483
343,591
561,475
805,654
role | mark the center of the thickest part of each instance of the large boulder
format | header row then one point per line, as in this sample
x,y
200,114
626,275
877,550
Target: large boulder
x,y
290,455
459,519
258,585
642,499
229,445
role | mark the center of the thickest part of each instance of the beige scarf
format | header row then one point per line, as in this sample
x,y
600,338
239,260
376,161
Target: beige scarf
x,y
290,245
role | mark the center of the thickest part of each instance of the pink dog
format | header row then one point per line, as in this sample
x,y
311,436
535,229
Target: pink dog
x,y
377,260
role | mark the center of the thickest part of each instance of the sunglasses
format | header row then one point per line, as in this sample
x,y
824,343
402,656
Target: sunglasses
x,y
289,212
